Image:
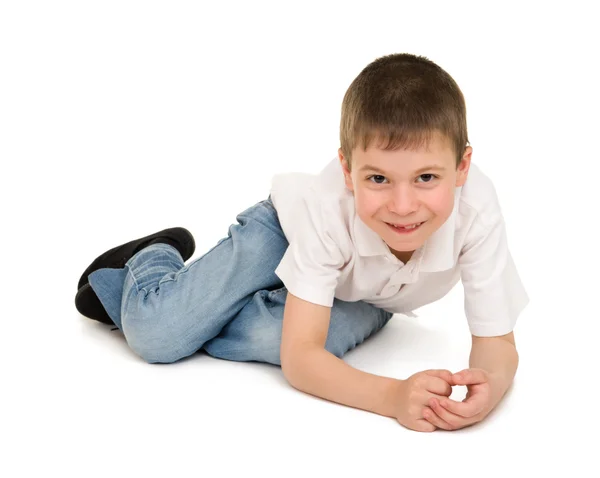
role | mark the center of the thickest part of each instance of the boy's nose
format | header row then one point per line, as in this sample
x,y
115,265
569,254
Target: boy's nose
x,y
403,202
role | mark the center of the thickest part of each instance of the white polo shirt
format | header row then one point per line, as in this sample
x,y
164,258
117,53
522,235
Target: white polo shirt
x,y
332,253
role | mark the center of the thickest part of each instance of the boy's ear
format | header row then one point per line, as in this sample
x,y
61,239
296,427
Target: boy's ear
x,y
342,160
346,170
463,168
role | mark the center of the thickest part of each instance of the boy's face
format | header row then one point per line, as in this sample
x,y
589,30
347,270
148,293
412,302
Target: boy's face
x,y
403,188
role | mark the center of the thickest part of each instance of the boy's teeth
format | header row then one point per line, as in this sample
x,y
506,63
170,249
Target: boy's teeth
x,y
408,227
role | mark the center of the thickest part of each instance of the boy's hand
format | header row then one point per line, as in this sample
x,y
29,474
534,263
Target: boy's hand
x,y
414,394
451,415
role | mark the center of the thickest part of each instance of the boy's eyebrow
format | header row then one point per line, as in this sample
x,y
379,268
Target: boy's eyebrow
x,y
368,167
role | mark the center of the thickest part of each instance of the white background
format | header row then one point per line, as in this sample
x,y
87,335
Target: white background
x,y
121,118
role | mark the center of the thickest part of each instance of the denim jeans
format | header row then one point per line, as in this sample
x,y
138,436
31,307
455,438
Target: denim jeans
x,y
228,302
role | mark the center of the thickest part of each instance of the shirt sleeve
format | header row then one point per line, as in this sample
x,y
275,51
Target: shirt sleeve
x,y
312,263
494,293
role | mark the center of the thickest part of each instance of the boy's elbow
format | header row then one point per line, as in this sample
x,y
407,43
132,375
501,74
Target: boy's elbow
x,y
292,364
305,328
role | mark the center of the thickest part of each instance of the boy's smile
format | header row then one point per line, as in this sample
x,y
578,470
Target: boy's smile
x,y
405,195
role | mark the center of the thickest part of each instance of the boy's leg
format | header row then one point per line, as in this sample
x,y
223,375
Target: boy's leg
x,y
255,333
168,310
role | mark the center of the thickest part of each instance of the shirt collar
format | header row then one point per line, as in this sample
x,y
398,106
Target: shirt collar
x,y
435,255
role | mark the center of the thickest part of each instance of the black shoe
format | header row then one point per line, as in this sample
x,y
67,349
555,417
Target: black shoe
x,y
116,257
86,300
88,305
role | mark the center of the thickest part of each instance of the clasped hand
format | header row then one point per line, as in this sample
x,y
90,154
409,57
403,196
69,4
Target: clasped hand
x,y
424,403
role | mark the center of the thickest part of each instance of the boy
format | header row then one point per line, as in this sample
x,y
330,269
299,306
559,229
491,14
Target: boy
x,y
388,226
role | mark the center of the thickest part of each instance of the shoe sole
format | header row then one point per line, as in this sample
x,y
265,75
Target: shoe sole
x,y
88,305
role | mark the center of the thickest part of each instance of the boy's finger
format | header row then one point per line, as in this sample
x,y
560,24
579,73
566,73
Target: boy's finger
x,y
454,421
466,409
439,386
469,376
434,419
440,373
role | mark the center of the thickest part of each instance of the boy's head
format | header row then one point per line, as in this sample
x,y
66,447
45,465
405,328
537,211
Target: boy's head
x,y
402,117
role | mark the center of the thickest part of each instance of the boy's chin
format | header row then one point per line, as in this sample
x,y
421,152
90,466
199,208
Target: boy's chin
x,y
405,245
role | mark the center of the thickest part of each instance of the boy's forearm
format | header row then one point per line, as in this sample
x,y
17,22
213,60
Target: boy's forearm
x,y
497,356
318,372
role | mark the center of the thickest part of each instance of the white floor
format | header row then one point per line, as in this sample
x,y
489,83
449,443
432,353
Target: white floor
x,y
123,119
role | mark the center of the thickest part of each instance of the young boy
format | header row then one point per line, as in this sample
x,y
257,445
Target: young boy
x,y
388,226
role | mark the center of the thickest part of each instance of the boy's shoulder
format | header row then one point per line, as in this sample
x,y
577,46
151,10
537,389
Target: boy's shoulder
x,y
478,196
321,199
324,188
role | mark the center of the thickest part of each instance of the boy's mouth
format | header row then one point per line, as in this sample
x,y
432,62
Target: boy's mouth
x,y
408,228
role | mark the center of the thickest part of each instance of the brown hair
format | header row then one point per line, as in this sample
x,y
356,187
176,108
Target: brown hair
x,y
402,100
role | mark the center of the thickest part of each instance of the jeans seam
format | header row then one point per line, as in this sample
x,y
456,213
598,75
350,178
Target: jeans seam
x,y
137,287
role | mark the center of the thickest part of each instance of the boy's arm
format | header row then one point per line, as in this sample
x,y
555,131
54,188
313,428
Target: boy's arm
x,y
318,372
493,363
498,356
310,368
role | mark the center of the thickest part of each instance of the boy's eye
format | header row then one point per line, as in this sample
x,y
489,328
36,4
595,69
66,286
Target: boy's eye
x,y
427,177
378,178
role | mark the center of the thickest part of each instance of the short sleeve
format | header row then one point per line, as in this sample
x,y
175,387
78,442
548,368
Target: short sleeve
x,y
494,292
311,266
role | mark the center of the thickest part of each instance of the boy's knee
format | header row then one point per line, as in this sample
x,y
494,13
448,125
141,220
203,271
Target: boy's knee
x,y
156,333
155,343
159,353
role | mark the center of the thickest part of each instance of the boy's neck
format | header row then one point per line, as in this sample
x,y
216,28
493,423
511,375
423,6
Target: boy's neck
x,y
404,256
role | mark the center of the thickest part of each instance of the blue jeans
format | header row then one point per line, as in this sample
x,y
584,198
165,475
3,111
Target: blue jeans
x,y
228,302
